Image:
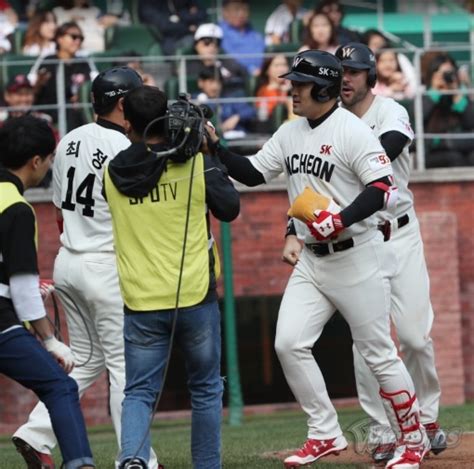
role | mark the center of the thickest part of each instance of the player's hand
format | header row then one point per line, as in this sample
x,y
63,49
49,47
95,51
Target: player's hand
x,y
46,286
61,352
326,225
291,250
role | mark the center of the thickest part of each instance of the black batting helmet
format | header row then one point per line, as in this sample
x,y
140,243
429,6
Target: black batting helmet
x,y
318,67
359,57
109,86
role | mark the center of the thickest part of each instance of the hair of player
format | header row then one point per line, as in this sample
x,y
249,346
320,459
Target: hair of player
x,y
144,104
22,138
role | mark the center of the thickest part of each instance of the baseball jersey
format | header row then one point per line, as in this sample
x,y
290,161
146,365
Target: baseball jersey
x,y
385,115
77,185
337,158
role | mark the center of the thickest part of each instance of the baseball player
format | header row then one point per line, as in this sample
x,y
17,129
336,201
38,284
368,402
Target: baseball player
x,y
411,310
85,271
342,266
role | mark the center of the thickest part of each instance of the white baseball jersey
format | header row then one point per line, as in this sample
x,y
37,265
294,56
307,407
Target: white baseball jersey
x,y
385,115
77,184
337,158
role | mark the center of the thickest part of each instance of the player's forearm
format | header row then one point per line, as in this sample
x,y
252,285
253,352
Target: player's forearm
x,y
240,168
369,201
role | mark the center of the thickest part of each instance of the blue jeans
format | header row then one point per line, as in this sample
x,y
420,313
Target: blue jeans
x,y
23,359
147,338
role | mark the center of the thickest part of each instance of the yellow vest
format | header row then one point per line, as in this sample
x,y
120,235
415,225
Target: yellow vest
x,y
148,239
9,195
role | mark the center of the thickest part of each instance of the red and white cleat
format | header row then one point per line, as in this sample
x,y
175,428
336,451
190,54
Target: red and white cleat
x,y
34,459
409,455
312,450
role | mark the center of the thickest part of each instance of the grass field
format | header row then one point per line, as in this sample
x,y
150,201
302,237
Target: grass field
x,y
243,447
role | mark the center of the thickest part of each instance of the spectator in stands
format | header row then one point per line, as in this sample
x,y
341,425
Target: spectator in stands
x,y
8,23
271,88
320,34
233,119
19,93
207,40
136,64
335,11
278,25
443,113
391,81
239,37
68,41
39,36
376,41
89,18
176,20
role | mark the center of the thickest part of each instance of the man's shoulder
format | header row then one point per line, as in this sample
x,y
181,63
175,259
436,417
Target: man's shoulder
x,y
94,131
384,104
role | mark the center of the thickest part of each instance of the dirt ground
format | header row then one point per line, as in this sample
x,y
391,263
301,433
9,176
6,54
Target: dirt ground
x,y
459,455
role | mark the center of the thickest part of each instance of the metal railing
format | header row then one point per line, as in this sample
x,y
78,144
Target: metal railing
x,y
181,65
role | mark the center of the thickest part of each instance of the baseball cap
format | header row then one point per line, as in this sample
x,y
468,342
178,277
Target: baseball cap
x,y
17,83
206,30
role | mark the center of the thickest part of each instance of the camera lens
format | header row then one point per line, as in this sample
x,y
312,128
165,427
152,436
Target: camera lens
x,y
449,76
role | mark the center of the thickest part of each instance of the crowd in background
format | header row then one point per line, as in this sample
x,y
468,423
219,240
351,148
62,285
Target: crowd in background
x,y
63,30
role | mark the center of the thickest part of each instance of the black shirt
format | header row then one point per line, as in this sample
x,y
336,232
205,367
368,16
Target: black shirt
x,y
17,246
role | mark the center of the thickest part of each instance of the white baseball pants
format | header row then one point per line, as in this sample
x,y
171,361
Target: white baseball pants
x,y
91,281
355,283
412,316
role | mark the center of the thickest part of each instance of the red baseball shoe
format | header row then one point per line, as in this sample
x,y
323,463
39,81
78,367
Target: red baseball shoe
x,y
312,450
34,459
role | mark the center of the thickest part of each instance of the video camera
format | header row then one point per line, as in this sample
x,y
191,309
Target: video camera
x,y
184,127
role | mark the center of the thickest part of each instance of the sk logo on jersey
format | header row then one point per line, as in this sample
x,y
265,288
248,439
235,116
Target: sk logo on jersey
x,y
325,150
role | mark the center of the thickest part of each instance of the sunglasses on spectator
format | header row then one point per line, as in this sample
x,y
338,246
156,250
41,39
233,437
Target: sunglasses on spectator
x,y
75,37
210,40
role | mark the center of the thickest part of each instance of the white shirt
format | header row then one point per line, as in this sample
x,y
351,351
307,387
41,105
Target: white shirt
x,y
338,158
385,115
77,186
279,23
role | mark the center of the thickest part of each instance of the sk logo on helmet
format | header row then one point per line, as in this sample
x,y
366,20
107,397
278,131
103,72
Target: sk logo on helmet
x,y
347,52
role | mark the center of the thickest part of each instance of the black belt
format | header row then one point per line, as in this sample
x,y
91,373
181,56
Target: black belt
x,y
386,227
321,249
402,221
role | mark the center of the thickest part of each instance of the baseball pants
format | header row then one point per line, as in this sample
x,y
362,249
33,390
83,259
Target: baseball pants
x,y
91,283
412,316
356,283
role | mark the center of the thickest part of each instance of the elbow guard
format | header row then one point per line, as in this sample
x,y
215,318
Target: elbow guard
x,y
390,193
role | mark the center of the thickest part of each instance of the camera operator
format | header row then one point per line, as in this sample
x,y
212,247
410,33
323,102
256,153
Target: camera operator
x,y
447,113
167,264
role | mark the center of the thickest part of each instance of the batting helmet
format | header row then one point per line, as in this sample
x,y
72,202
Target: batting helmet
x,y
359,57
109,86
318,67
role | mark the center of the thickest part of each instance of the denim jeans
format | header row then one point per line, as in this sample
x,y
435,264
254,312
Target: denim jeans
x,y
147,338
23,359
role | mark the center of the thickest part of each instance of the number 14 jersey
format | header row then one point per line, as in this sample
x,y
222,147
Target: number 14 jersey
x,y
81,157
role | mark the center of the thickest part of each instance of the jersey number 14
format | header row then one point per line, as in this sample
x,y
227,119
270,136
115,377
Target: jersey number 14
x,y
83,194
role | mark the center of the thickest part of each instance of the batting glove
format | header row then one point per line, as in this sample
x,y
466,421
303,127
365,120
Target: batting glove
x,y
46,288
326,225
61,352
